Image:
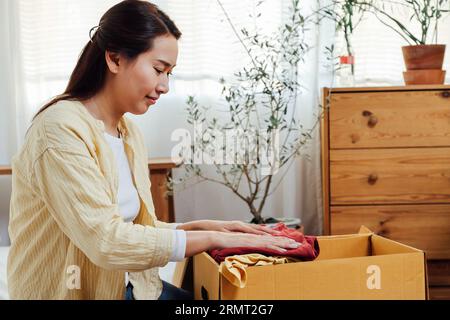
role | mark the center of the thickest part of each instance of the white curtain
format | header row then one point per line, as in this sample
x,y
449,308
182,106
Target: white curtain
x,y
7,82
43,39
209,50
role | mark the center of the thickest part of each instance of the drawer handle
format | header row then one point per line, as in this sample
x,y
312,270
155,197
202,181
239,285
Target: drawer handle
x,y
373,120
446,94
372,179
355,138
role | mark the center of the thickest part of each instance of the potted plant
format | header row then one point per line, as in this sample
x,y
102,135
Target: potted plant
x,y
251,148
423,60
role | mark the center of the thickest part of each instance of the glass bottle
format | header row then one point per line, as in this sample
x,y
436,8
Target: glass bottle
x,y
345,73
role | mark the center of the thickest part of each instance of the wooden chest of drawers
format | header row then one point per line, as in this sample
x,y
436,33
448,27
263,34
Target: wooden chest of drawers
x,y
386,165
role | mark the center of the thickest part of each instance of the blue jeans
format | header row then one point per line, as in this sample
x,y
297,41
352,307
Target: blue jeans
x,y
169,292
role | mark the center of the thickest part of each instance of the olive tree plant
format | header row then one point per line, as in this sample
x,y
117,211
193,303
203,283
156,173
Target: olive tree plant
x,y
252,147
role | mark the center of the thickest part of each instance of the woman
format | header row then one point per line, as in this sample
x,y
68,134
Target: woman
x,y
82,219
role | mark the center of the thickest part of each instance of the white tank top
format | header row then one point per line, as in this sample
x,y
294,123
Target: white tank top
x,y
128,198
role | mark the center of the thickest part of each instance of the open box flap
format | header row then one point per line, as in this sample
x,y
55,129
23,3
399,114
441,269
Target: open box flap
x,y
344,246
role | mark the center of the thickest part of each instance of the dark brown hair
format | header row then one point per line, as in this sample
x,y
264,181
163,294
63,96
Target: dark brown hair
x,y
127,28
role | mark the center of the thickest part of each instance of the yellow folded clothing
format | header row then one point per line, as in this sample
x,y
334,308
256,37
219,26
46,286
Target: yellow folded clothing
x,y
233,268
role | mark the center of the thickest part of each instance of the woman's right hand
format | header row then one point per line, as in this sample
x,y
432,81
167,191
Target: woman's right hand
x,y
200,241
232,240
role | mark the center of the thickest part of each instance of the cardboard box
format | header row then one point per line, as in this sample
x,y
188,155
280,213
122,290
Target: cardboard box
x,y
358,266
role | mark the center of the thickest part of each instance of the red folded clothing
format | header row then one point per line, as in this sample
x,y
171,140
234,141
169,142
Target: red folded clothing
x,y
309,250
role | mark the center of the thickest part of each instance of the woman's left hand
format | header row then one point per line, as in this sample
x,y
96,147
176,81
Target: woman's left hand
x,y
237,226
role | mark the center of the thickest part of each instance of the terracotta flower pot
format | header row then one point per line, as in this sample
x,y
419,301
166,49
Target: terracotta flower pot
x,y
430,56
426,76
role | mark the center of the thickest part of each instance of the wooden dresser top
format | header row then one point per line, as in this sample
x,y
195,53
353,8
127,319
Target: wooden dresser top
x,y
390,88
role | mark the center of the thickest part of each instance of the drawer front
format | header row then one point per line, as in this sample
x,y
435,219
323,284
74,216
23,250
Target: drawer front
x,y
381,176
440,293
425,227
393,119
438,272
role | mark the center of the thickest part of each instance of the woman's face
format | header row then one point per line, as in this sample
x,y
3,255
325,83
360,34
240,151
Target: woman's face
x,y
139,83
